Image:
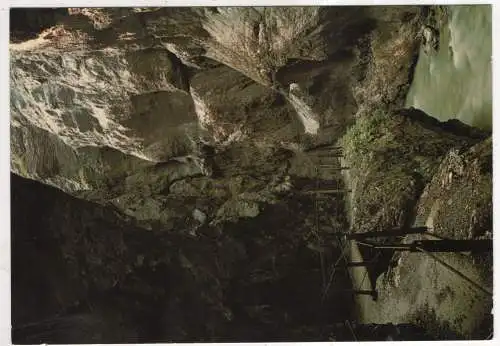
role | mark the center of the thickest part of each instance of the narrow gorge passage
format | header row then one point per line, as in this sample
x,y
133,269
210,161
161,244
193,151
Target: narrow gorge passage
x,y
191,174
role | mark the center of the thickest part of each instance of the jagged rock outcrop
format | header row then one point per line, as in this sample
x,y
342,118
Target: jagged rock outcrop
x,y
105,98
153,83
257,279
25,25
397,151
455,204
185,135
408,169
40,155
233,108
387,59
466,173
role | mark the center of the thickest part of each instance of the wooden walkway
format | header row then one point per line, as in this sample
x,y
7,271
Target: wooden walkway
x,y
351,259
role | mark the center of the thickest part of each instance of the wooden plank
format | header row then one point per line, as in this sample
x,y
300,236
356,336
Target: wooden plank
x,y
333,167
321,147
326,191
390,233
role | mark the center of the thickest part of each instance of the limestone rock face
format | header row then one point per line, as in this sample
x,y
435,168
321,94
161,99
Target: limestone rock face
x,y
462,183
185,141
143,86
107,98
232,107
387,59
257,41
40,155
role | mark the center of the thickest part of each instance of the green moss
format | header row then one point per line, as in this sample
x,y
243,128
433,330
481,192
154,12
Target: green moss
x,y
360,138
392,155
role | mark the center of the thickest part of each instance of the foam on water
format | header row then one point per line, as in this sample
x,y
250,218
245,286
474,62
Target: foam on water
x,y
457,81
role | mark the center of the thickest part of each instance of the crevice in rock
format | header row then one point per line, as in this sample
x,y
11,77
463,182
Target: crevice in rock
x,y
28,23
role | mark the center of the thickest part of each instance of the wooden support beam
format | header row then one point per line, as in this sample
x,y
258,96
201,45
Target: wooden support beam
x,y
333,167
356,264
323,147
327,197
326,154
326,191
390,233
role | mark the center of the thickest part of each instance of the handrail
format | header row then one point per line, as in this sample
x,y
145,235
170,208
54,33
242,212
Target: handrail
x,y
446,265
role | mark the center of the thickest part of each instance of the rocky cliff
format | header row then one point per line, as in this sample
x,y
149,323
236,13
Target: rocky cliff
x,y
408,169
178,144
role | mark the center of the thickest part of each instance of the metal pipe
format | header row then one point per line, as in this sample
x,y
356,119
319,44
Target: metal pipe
x,y
438,245
402,247
332,273
352,330
473,283
454,245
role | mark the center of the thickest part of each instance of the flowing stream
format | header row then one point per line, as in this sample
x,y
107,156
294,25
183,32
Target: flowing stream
x,y
456,81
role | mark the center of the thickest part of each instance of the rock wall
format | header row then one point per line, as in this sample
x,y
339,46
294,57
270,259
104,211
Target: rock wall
x,y
152,84
408,169
398,151
87,273
181,137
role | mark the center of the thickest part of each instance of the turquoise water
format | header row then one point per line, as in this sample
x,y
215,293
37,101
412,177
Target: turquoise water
x,y
457,81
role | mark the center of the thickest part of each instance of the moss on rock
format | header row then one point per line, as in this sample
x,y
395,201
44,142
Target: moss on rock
x,y
392,156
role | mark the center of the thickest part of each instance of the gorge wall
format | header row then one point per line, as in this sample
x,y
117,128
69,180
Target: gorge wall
x,y
161,154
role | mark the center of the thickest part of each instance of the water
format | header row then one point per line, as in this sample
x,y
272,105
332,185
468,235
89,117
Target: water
x,y
456,82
